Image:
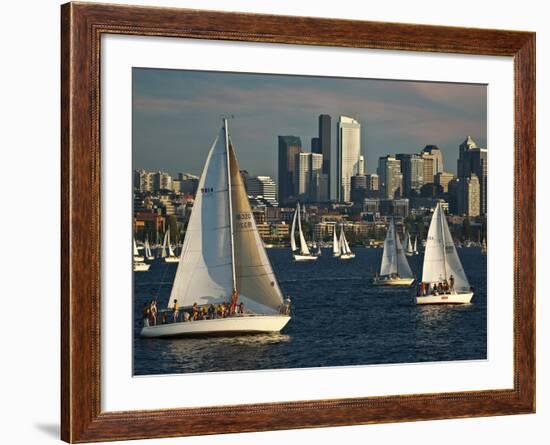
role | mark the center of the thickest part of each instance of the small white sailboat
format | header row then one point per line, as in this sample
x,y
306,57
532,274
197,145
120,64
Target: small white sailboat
x,y
442,266
303,254
409,249
395,269
415,248
148,254
345,251
223,258
171,256
141,266
137,257
335,244
484,247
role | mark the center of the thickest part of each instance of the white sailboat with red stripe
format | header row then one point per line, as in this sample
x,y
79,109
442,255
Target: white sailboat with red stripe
x,y
223,255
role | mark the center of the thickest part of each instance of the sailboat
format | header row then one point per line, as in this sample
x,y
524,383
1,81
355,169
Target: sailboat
x,y
442,265
167,245
409,250
415,248
345,251
148,253
303,254
137,257
484,247
223,257
394,270
141,266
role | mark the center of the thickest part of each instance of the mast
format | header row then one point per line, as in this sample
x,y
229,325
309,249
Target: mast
x,y
230,206
443,239
395,235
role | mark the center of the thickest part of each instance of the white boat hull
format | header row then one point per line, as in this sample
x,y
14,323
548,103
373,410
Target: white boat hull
x,y
305,257
378,281
171,259
138,259
237,325
464,298
346,256
141,267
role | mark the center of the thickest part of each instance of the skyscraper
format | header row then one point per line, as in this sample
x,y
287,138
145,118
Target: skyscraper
x,y
349,152
435,151
473,159
468,198
289,147
390,177
325,147
430,165
310,181
412,169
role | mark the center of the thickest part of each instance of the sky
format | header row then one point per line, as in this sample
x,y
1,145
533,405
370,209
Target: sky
x,y
176,116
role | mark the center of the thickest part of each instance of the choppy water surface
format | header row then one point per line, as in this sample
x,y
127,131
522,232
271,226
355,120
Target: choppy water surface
x,y
338,319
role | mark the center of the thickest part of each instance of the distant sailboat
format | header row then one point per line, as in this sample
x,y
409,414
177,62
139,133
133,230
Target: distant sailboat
x,y
409,249
303,254
148,253
223,256
394,270
442,265
345,251
137,257
415,249
171,256
141,267
484,247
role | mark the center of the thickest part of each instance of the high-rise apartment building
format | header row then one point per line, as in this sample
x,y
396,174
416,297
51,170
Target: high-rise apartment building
x,y
437,154
412,169
468,199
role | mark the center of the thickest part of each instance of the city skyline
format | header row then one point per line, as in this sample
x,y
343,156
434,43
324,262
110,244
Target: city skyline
x,y
175,113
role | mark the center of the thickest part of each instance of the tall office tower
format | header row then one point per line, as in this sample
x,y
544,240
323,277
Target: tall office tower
x,y
309,171
319,187
289,147
443,179
473,159
325,147
436,152
412,169
263,186
390,177
468,198
430,164
349,152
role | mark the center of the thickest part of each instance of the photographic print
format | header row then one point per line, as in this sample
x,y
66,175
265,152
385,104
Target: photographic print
x,y
285,221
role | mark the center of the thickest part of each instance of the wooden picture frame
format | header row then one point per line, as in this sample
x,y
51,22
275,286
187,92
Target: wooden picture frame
x,y
82,26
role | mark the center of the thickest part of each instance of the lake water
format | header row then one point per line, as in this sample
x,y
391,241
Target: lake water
x,y
339,319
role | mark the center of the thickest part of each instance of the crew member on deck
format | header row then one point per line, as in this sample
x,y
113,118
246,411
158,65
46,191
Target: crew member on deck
x,y
234,297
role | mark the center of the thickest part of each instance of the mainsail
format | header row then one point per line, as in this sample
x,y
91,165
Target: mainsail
x,y
223,250
293,231
440,258
169,243
304,250
408,244
393,258
344,246
335,243
163,253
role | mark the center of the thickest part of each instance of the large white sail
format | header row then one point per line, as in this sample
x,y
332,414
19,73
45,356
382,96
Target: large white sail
x,y
304,250
393,258
440,258
255,280
346,248
205,270
408,244
293,230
